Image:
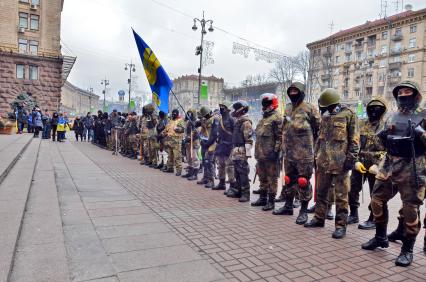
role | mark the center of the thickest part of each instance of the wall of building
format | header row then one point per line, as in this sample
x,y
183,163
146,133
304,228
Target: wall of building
x,y
76,101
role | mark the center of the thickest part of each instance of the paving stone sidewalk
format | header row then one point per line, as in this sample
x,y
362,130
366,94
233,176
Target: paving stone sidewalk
x,y
246,244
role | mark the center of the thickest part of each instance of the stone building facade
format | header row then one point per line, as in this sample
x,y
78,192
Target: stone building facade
x,y
370,59
186,89
30,52
76,101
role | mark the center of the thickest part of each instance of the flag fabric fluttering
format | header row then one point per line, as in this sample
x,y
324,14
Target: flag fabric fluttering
x,y
158,79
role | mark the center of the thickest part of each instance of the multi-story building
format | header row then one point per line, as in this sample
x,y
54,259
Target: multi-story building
x,y
370,59
186,90
76,101
30,52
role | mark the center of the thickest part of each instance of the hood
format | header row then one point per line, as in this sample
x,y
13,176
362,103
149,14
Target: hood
x,y
378,102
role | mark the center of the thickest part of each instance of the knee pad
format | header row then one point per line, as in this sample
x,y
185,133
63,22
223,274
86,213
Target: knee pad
x,y
303,182
287,180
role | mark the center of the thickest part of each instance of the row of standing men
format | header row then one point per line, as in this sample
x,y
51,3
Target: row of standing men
x,y
387,150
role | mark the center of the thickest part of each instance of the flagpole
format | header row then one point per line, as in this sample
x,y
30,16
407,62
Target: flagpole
x,y
180,105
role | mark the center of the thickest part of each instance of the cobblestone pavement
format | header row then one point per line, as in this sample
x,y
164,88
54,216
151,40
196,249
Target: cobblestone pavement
x,y
246,244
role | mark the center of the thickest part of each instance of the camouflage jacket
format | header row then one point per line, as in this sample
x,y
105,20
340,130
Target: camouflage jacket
x,y
174,130
268,137
191,135
143,128
338,141
208,133
132,127
241,136
372,150
151,123
300,129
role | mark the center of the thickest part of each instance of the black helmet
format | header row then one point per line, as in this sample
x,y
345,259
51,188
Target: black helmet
x,y
240,108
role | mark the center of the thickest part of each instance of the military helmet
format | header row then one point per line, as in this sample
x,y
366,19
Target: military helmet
x,y
150,108
408,84
298,85
240,107
204,111
328,97
226,103
192,110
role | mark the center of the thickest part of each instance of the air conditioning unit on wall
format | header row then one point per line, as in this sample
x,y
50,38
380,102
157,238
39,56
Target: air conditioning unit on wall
x,y
34,7
21,29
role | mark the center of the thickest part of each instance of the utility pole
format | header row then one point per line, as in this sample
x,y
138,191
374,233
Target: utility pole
x,y
105,83
199,49
131,68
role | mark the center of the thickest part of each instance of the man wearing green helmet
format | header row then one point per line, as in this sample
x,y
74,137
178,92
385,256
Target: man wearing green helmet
x,y
403,170
192,144
336,151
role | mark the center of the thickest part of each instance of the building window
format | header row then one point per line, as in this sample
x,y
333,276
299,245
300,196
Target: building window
x,y
382,63
411,72
348,58
381,90
336,71
23,20
33,47
348,46
384,35
20,71
413,28
384,50
35,2
397,47
22,46
398,31
34,22
337,59
397,59
412,43
24,1
33,72
359,55
411,58
337,48
381,76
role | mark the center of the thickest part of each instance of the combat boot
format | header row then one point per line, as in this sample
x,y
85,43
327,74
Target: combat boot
x,y
379,240
353,216
188,173
220,186
314,222
245,195
302,218
178,173
280,199
405,258
329,214
257,192
287,209
398,233
203,181
270,205
209,184
261,201
160,166
233,193
194,175
170,170
368,224
339,233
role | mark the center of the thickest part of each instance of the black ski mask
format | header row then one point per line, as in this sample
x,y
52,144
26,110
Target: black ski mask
x,y
374,113
407,102
175,114
297,98
223,110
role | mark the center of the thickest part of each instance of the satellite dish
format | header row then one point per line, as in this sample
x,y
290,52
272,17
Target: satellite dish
x,y
408,7
121,93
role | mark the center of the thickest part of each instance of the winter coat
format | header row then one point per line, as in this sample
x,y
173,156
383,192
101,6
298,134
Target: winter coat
x,y
36,119
78,126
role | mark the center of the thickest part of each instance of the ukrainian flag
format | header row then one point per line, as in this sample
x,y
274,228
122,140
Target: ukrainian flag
x,y
158,79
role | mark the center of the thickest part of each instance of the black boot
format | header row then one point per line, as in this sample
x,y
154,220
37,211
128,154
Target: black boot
x,y
368,224
280,199
194,175
314,223
329,215
311,209
257,192
245,195
209,184
261,201
353,216
302,218
287,209
379,240
405,258
159,166
270,205
398,233
203,181
188,173
178,173
220,186
233,192
339,233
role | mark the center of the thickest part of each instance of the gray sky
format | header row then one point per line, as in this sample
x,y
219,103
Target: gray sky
x,y
98,32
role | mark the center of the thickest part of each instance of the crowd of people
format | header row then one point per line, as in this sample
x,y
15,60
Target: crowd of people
x,y
326,142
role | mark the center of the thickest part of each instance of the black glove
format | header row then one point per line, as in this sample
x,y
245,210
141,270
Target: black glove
x,y
348,164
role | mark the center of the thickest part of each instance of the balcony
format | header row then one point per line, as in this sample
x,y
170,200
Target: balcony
x,y
396,37
327,54
394,79
371,44
325,76
395,65
348,51
396,51
359,46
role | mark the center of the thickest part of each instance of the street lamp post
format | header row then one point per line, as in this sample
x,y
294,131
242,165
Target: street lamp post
x,y
199,49
131,68
105,83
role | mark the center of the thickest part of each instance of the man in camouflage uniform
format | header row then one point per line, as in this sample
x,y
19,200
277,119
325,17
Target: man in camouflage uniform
x,y
162,122
336,152
143,135
300,129
267,151
224,147
115,124
404,137
371,153
132,136
192,144
123,138
208,136
173,135
242,140
151,144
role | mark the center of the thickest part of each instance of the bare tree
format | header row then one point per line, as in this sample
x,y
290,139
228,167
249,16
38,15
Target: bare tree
x,y
303,64
284,72
254,80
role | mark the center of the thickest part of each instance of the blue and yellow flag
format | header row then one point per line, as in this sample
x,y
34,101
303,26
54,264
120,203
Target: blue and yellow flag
x,y
157,77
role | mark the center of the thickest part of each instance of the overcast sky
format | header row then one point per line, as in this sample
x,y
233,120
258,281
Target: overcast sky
x,y
98,33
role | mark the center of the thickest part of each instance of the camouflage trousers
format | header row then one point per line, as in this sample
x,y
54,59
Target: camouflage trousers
x,y
340,183
150,148
208,165
225,167
131,144
401,180
114,138
109,141
174,155
294,170
192,156
357,181
241,171
268,173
